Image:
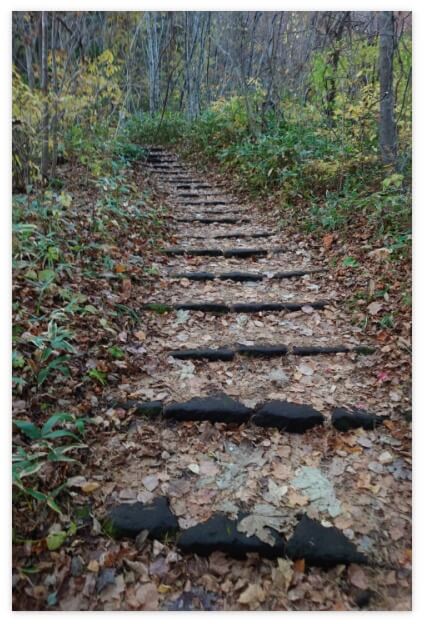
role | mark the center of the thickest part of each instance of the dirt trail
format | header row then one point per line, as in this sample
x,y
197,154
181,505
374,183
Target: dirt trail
x,y
357,481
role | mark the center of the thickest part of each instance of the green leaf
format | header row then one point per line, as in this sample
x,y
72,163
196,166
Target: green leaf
x,y
53,420
47,275
97,375
60,433
349,261
116,352
55,540
29,429
18,360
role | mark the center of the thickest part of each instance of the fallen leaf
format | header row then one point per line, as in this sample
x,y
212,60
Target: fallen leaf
x,y
327,241
374,307
295,499
93,566
150,482
140,335
89,487
357,576
194,468
147,596
253,595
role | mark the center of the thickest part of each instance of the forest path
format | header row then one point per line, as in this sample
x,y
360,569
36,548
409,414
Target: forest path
x,y
245,318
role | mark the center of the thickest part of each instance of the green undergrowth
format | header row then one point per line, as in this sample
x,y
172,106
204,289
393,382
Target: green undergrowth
x,y
325,177
67,237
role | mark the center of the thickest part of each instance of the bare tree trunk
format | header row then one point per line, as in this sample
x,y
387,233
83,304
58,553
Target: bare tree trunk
x,y
55,119
44,90
153,60
387,127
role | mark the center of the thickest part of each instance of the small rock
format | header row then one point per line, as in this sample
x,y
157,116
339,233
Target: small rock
x,y
321,546
344,419
128,520
215,409
292,417
220,533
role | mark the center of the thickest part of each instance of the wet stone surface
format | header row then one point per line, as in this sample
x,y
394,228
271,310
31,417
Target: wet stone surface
x,y
214,409
220,533
292,417
322,546
344,419
128,520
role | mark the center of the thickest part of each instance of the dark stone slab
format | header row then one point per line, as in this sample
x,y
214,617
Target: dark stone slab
x,y
220,533
128,520
152,409
207,202
213,355
262,350
181,251
322,546
274,307
200,276
296,273
237,276
344,419
214,409
244,253
245,235
203,307
291,417
211,220
320,350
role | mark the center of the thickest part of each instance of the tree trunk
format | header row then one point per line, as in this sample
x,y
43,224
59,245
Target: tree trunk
x,y
387,127
55,119
44,90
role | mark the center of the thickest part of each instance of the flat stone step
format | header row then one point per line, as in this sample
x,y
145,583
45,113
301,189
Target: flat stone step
x,y
257,351
247,308
214,409
226,253
128,520
213,220
195,185
239,276
212,355
236,235
220,533
292,417
322,546
345,419
207,202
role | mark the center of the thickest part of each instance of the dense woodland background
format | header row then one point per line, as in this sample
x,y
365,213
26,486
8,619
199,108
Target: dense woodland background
x,y
308,112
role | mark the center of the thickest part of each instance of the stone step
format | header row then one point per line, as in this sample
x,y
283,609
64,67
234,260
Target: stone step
x,y
208,202
235,235
311,542
241,252
226,354
196,185
238,276
211,220
292,417
246,308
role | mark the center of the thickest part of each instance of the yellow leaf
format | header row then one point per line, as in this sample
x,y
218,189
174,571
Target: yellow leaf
x,y
90,486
